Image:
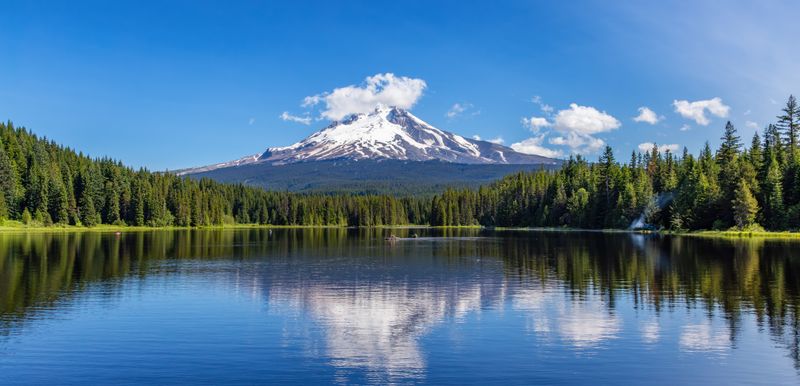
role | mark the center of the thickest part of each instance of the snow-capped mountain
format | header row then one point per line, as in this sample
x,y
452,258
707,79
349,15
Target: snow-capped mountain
x,y
387,133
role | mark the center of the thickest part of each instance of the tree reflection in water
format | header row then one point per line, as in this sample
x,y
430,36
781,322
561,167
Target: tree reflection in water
x,y
375,300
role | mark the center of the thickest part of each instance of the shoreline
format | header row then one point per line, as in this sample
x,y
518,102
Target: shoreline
x,y
16,227
697,233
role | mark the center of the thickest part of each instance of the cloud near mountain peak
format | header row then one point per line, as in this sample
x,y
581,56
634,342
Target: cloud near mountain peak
x,y
380,89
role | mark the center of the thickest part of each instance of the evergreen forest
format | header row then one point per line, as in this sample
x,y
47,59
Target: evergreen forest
x,y
741,184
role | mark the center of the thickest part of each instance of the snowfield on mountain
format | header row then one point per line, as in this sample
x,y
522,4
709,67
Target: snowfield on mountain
x,y
387,133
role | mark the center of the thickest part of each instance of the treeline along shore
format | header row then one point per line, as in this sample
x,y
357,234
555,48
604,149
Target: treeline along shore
x,y
738,186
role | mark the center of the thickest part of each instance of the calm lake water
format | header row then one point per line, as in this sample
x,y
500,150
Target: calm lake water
x,y
302,306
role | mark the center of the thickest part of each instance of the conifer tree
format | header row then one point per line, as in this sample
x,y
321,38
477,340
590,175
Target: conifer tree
x,y
728,170
8,183
607,174
88,213
57,201
789,123
773,212
26,217
756,154
745,206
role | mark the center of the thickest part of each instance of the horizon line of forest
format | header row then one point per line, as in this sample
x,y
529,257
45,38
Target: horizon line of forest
x,y
743,187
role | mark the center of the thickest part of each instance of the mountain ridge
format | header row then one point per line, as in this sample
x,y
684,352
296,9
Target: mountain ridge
x,y
386,133
383,176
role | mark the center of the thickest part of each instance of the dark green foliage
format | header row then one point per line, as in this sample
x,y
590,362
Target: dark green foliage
x,y
772,197
398,178
26,217
745,206
41,182
712,191
789,122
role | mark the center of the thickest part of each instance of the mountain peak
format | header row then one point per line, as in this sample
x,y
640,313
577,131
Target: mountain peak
x,y
388,112
387,133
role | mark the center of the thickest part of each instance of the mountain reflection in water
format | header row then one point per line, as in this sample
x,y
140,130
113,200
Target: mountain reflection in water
x,y
380,312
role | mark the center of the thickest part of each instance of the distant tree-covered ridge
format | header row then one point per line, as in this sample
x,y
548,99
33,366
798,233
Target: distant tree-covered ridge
x,y
737,186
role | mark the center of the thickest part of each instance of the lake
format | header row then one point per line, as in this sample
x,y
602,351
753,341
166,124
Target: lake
x,y
344,306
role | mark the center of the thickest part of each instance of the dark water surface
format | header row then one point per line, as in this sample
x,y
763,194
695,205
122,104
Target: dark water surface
x,y
304,306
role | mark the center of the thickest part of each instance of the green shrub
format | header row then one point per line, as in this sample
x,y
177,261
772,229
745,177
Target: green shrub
x,y
27,219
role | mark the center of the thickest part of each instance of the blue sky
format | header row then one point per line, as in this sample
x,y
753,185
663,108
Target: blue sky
x,y
176,84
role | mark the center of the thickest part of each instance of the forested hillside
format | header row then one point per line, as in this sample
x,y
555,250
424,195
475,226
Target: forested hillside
x,y
395,177
43,183
734,186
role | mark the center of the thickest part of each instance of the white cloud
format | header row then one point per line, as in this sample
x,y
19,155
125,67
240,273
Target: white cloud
x,y
748,112
685,127
579,143
697,110
310,101
294,118
651,332
578,125
587,326
497,140
645,147
585,120
702,337
751,125
535,124
380,89
584,325
457,109
534,146
576,128
547,109
647,116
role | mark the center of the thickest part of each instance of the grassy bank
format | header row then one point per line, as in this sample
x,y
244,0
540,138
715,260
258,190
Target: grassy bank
x,y
701,233
743,234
